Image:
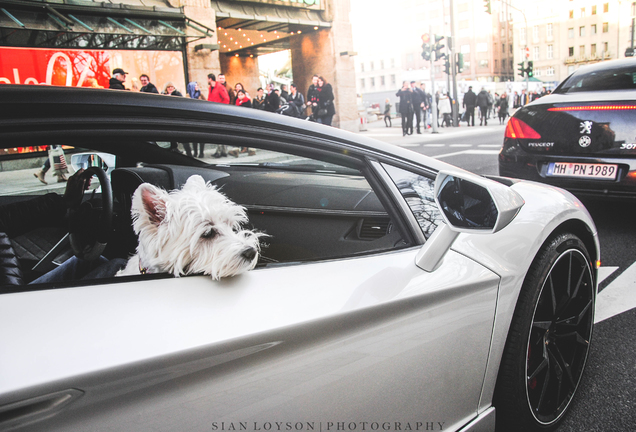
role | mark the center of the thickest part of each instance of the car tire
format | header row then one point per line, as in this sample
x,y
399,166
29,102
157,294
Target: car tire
x,y
549,338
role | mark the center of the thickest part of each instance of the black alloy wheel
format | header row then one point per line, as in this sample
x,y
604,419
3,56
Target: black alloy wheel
x,y
549,339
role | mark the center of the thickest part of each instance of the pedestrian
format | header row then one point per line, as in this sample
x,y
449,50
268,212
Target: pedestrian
x,y
503,108
406,108
171,90
272,100
482,103
426,108
445,109
283,91
259,101
218,93
118,79
326,107
194,90
228,89
243,99
147,86
56,159
491,102
469,102
237,87
417,98
387,113
296,99
312,96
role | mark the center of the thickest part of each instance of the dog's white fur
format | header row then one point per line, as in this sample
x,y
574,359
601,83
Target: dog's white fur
x,y
192,230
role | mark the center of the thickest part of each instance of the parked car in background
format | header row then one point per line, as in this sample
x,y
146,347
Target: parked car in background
x,y
582,137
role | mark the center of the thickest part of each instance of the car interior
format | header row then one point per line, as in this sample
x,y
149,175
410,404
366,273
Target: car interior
x,y
309,209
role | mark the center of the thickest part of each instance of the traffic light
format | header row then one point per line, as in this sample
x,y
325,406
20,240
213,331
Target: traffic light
x,y
426,47
447,67
487,6
529,70
460,63
438,47
522,70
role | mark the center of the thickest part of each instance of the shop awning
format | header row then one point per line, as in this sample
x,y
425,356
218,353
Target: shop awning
x,y
246,23
131,24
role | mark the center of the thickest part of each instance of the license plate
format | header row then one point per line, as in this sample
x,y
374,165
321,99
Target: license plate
x,y
583,170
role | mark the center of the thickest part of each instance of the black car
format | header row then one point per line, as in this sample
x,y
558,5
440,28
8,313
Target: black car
x,y
582,137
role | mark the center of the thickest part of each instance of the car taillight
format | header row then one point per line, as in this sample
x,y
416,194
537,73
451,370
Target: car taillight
x,y
594,108
520,130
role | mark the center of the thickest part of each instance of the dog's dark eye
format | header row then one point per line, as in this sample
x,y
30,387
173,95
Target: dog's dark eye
x,y
209,234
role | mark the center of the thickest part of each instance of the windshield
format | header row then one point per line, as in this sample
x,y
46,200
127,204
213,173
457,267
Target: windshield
x,y
612,79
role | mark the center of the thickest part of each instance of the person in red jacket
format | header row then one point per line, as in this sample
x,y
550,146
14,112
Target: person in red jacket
x,y
217,93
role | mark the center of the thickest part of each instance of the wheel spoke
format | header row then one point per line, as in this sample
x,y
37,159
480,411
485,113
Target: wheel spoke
x,y
544,364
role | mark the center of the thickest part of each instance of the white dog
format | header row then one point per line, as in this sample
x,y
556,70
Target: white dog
x,y
192,230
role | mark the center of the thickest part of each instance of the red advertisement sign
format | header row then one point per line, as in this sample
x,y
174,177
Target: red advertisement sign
x,y
89,68
76,68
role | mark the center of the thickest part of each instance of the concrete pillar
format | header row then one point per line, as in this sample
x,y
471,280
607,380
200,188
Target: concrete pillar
x,y
242,70
319,53
203,62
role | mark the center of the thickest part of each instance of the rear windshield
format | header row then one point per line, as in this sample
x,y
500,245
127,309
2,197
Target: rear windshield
x,y
613,79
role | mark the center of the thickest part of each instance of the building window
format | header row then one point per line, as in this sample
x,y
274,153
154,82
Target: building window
x,y
382,82
605,47
593,29
372,66
633,8
549,71
535,33
606,7
522,36
582,31
571,33
372,82
594,10
582,51
571,15
537,72
362,83
571,52
605,27
510,48
535,53
593,50
550,52
382,65
548,30
362,68
496,64
503,48
393,79
392,62
582,12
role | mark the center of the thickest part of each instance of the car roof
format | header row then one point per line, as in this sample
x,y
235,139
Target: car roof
x,y
21,103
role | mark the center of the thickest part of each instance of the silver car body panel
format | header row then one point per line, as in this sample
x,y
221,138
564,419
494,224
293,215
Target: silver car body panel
x,y
319,342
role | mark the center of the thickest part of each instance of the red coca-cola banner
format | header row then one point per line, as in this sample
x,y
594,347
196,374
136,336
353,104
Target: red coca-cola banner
x,y
89,68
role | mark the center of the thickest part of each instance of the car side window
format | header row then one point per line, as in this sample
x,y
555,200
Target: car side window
x,y
418,192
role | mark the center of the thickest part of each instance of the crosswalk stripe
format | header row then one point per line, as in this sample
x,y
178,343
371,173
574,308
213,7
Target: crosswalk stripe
x,y
618,297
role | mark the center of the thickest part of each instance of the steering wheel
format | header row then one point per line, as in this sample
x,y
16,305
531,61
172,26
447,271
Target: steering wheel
x,y
90,226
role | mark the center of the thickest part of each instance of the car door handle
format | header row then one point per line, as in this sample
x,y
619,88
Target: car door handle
x,y
35,409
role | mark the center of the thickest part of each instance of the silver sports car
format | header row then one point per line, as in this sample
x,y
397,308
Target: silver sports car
x,y
393,291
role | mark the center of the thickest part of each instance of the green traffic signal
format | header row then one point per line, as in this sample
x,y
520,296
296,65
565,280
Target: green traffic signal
x,y
487,6
460,63
426,51
530,70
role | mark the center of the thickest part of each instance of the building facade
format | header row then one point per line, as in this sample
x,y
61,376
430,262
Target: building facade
x,y
180,41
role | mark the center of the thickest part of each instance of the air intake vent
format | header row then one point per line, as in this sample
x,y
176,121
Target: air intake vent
x,y
374,228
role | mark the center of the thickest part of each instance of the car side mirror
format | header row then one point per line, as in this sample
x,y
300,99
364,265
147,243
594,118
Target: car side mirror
x,y
468,203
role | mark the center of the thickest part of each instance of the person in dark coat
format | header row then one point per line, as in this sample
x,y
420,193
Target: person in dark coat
x,y
259,101
469,102
272,100
406,108
418,98
118,79
326,107
312,96
503,108
171,90
148,87
482,103
296,98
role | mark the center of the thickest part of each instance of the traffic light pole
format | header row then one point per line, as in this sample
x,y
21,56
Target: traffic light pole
x,y
453,60
433,102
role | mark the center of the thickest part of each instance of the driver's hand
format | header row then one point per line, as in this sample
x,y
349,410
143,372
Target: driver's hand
x,y
75,188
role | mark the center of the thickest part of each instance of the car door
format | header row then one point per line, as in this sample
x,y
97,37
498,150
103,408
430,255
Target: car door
x,y
354,343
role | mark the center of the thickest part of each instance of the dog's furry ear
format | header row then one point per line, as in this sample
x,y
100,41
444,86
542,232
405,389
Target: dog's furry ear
x,y
153,200
195,181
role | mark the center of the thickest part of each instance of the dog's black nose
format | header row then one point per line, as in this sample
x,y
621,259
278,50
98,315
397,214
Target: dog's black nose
x,y
249,254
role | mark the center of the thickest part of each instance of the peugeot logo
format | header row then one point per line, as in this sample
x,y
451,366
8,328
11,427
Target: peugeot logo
x,y
585,141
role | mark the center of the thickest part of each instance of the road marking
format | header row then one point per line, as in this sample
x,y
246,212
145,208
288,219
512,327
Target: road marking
x,y
408,145
434,145
618,297
474,152
461,145
489,146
